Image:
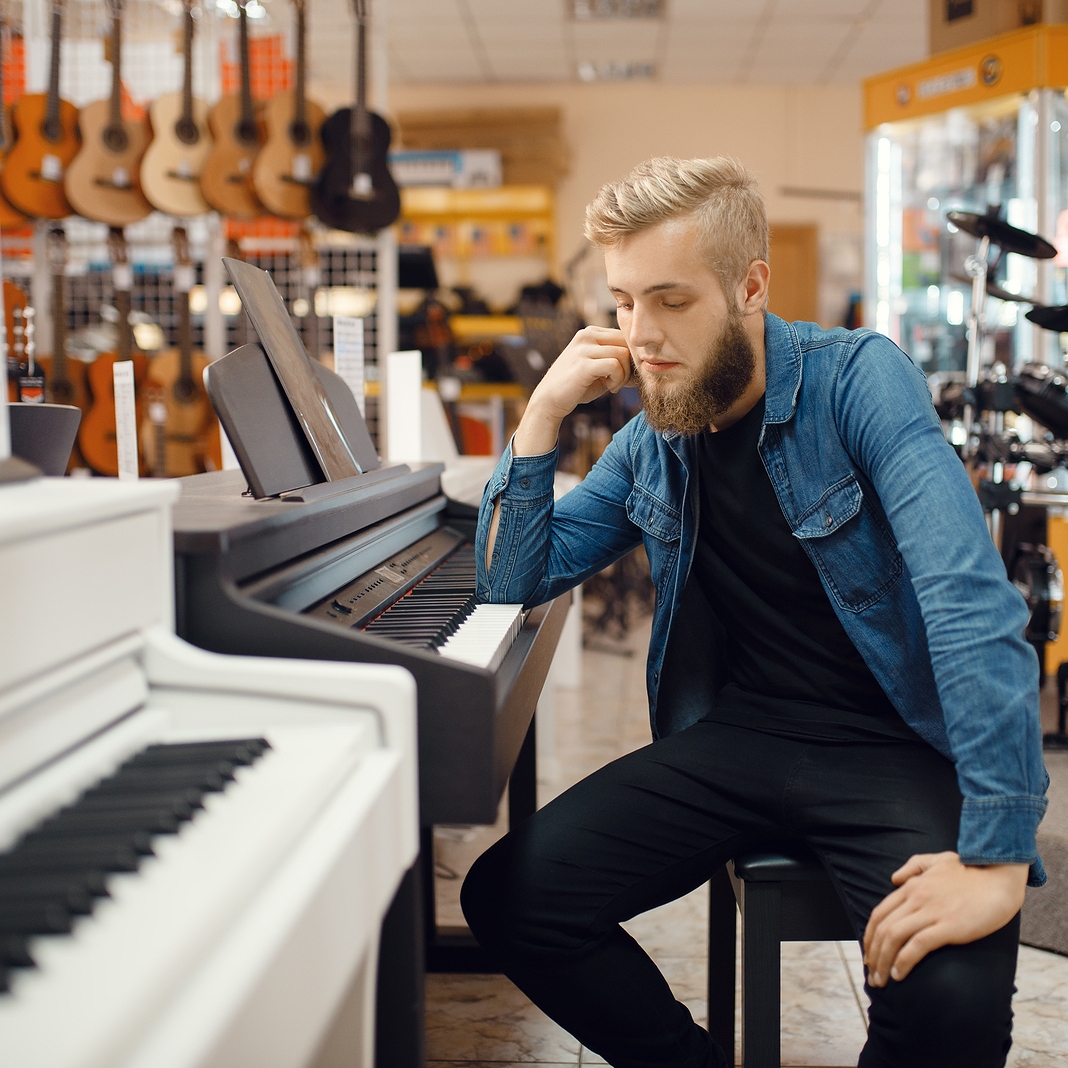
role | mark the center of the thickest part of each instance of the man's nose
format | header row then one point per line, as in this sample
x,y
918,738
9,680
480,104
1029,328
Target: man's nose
x,y
644,333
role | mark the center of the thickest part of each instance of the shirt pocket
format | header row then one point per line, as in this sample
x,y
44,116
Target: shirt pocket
x,y
652,516
855,553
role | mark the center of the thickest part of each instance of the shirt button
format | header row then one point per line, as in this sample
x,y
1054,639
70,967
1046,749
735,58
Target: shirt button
x,y
829,522
525,483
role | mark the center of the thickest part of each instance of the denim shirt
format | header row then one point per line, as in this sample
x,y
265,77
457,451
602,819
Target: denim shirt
x,y
885,510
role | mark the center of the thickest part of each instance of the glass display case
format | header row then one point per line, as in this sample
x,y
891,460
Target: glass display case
x,y
979,128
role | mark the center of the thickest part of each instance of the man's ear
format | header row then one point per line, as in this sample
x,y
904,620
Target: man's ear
x,y
753,290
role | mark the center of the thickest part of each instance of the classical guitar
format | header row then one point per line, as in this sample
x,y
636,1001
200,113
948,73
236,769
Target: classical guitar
x,y
170,171
66,377
179,412
293,154
46,140
103,182
226,180
355,190
9,216
14,306
97,435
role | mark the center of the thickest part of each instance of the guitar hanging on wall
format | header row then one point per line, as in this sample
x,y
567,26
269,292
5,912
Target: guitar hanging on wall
x,y
10,216
290,160
46,140
226,180
97,434
180,414
104,181
355,190
170,171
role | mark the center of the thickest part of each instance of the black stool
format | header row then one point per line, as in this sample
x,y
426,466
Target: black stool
x,y
783,897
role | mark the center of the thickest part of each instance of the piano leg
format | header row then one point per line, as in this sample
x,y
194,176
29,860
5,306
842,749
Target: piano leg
x,y
400,1040
454,949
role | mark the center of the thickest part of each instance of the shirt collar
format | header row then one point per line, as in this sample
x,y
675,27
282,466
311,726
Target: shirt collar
x,y
783,369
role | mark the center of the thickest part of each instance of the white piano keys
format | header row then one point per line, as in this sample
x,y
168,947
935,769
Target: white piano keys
x,y
485,636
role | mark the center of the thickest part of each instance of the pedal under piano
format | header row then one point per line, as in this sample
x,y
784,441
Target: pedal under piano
x,y
315,550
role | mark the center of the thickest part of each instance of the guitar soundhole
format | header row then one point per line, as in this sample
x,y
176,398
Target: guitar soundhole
x,y
184,390
51,130
186,131
299,133
116,139
246,132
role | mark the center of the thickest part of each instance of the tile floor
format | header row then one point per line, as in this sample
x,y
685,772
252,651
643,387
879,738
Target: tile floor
x,y
485,1022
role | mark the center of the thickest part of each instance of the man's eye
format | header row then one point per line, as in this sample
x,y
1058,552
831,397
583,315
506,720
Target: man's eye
x,y
681,304
620,306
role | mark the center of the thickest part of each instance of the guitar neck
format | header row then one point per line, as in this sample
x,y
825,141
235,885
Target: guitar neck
x,y
300,117
52,110
59,327
359,112
247,115
187,58
185,340
123,307
116,69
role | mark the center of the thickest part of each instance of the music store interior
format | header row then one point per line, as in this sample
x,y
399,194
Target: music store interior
x,y
279,279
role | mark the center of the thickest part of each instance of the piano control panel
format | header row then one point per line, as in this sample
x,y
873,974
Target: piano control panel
x,y
357,603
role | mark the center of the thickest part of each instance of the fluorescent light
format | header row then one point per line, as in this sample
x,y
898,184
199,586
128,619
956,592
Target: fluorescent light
x,y
586,10
615,71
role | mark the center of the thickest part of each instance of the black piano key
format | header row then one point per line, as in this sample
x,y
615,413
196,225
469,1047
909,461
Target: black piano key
x,y
77,902
183,803
154,820
93,883
144,781
34,842
34,917
216,748
15,951
105,858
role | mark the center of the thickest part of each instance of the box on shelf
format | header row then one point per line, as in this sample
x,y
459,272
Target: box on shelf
x,y
954,23
461,169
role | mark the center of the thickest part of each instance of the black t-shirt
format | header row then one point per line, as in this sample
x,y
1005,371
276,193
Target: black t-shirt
x,y
793,668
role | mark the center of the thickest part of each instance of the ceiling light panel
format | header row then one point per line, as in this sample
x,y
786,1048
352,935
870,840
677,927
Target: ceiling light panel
x,y
604,10
612,70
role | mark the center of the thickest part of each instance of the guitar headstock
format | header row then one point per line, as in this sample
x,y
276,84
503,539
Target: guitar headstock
x,y
57,249
180,244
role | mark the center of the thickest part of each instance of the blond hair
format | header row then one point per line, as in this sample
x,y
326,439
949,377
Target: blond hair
x,y
719,193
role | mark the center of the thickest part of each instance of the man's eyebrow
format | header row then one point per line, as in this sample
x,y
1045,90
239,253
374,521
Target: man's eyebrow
x,y
658,288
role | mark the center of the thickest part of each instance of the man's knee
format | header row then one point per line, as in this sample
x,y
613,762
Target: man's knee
x,y
953,1009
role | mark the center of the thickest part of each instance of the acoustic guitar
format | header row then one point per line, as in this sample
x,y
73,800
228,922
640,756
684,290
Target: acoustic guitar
x,y
46,140
103,182
14,306
355,190
226,180
66,377
170,171
289,162
179,412
9,216
97,433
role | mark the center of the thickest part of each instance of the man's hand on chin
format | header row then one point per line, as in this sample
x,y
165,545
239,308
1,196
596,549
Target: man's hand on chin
x,y
939,902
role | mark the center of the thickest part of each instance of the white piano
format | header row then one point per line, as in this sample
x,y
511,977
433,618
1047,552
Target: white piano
x,y
196,850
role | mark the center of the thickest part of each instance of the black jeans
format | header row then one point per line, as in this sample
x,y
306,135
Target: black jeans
x,y
547,900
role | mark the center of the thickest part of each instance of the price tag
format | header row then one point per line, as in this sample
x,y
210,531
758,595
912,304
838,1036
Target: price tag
x,y
122,277
184,277
348,354
125,419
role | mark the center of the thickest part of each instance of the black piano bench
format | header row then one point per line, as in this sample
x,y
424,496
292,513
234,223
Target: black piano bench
x,y
783,897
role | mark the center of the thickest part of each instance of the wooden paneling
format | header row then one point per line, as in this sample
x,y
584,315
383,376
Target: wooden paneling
x,y
795,273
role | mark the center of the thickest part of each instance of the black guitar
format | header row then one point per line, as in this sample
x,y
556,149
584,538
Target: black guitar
x,y
355,190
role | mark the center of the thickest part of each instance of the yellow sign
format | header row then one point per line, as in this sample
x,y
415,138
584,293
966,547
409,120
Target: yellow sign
x,y
1033,58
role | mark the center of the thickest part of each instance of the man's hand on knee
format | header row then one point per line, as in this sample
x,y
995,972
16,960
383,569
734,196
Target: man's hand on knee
x,y
939,902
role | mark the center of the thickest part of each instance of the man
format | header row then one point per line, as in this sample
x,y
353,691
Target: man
x,y
837,657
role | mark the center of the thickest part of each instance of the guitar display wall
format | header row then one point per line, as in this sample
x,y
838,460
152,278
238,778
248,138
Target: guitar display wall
x,y
153,65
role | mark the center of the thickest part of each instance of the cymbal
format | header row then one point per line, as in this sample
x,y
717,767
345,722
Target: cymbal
x,y
1055,318
994,290
1006,237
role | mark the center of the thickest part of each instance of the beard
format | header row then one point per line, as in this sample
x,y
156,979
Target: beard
x,y
690,407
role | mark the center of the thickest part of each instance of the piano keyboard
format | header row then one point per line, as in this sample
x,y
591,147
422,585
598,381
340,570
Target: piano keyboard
x,y
107,905
423,600
58,870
